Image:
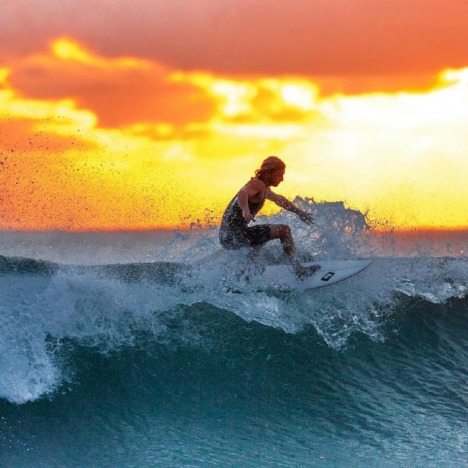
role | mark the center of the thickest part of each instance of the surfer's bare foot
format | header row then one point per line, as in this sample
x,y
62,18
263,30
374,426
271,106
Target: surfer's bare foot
x,y
307,272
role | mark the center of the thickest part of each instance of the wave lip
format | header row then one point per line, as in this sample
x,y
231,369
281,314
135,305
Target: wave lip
x,y
22,265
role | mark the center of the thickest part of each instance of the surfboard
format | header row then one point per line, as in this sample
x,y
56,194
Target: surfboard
x,y
332,272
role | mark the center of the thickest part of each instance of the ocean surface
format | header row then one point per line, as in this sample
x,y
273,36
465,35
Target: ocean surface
x,y
143,349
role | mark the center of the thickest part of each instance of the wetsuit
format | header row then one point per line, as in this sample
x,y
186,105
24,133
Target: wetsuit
x,y
234,232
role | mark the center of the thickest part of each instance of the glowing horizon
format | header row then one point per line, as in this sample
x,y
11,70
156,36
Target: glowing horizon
x,y
90,142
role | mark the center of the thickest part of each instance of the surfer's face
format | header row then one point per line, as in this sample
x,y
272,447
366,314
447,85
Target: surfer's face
x,y
276,177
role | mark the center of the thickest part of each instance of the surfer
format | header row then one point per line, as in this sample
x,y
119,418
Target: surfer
x,y
235,233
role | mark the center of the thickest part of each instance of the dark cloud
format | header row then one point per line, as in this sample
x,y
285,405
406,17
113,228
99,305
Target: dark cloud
x,y
124,93
320,37
118,95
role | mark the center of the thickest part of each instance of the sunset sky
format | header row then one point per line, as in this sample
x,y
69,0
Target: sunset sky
x,y
152,113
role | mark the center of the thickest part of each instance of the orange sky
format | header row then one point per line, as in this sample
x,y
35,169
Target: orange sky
x,y
153,114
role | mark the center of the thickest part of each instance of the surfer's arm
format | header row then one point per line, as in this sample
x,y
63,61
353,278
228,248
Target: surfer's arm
x,y
287,205
282,202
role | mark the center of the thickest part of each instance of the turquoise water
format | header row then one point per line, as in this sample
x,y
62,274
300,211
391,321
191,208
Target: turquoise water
x,y
137,365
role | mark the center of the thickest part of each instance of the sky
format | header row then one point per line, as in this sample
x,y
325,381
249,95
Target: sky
x,y
153,114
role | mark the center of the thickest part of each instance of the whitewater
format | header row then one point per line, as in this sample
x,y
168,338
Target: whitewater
x,y
157,349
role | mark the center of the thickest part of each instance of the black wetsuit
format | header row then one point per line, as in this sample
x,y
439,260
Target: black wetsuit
x,y
234,232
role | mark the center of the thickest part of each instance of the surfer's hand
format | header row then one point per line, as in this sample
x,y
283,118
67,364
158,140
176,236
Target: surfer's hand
x,y
306,217
248,216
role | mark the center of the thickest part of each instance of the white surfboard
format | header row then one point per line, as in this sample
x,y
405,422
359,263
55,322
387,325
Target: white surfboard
x,y
283,277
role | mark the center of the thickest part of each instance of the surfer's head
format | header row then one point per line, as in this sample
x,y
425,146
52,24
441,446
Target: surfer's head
x,y
272,171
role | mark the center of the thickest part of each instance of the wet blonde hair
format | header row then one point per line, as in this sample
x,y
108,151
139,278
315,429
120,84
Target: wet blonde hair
x,y
271,164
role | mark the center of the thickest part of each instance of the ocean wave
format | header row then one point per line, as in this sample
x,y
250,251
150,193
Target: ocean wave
x,y
109,307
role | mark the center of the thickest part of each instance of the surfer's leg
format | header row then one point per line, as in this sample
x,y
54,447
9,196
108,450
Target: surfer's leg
x,y
283,233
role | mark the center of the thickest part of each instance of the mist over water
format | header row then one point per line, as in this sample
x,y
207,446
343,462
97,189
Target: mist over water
x,y
150,348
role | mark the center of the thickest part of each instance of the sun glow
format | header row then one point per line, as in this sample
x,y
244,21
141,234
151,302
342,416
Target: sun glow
x,y
237,96
68,50
300,95
72,160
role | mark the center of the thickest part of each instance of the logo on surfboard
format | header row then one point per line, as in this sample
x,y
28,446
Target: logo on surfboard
x,y
329,275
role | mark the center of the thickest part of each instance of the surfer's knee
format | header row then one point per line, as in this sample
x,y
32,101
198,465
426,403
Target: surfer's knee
x,y
285,236
280,231
285,232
